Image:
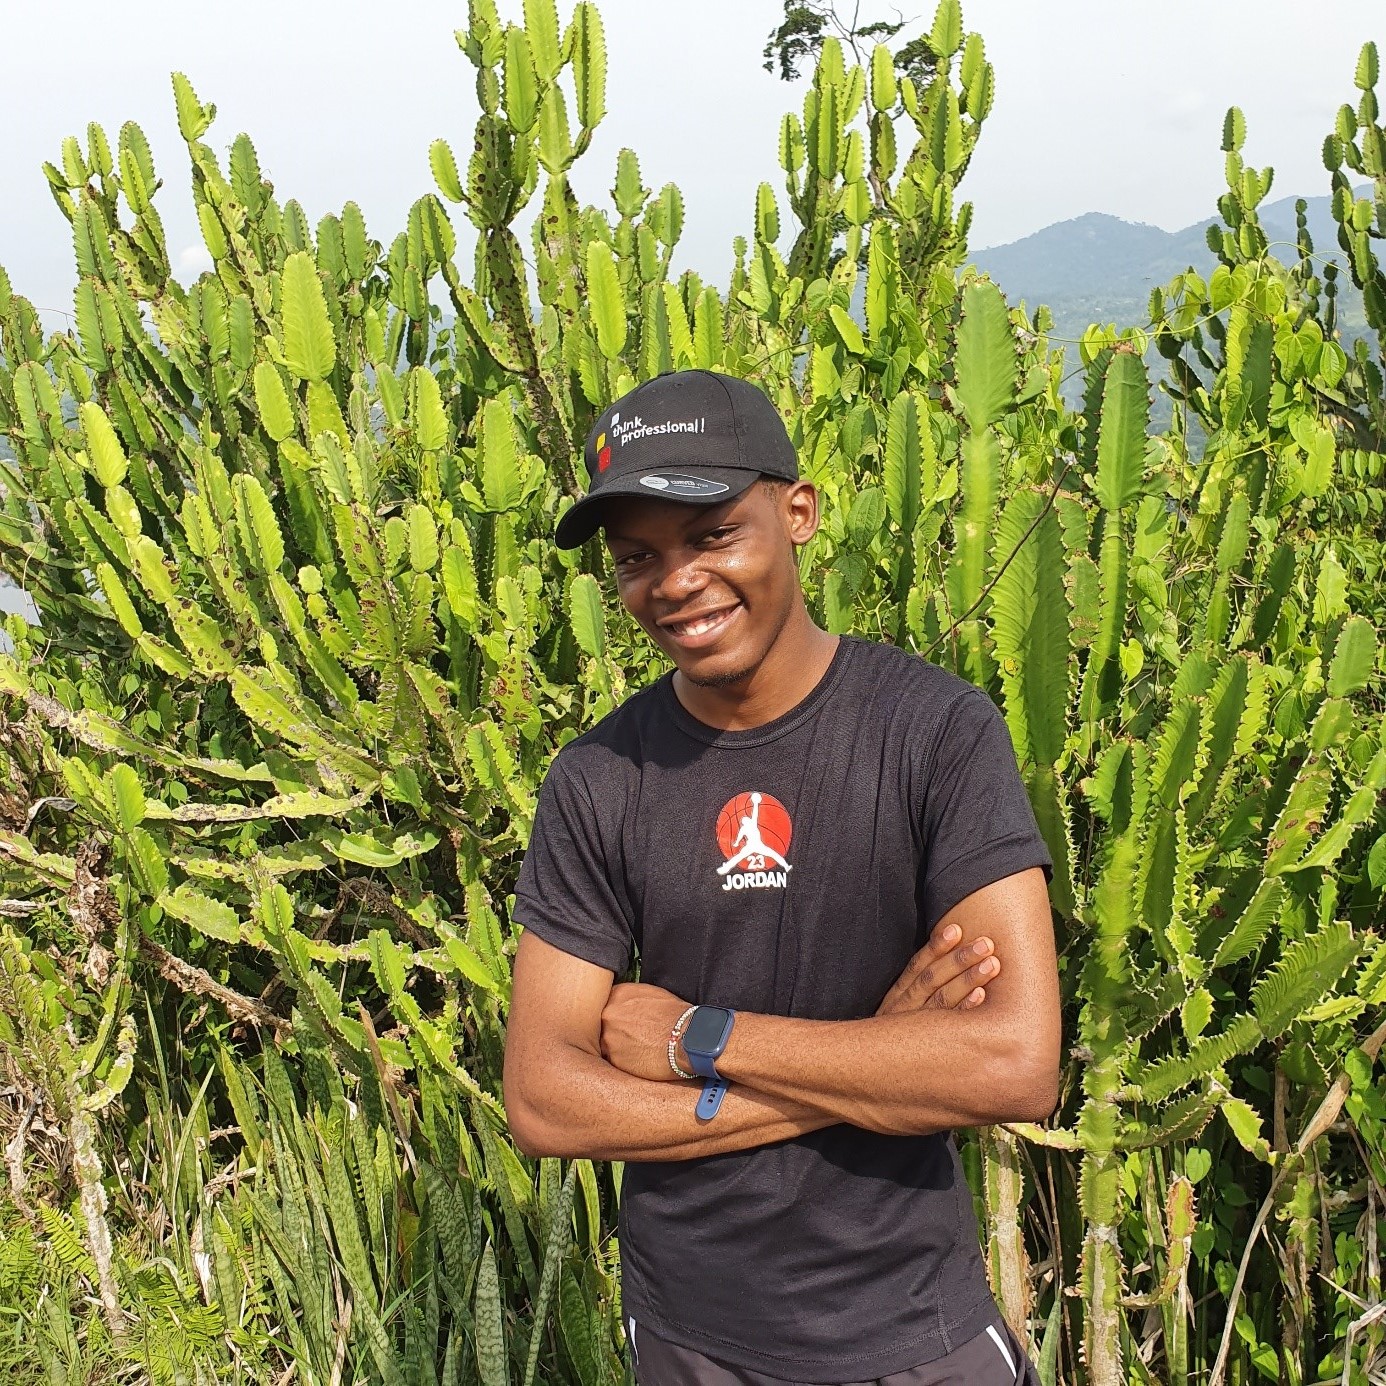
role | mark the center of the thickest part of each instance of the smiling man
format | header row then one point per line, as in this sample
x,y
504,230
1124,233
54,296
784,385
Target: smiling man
x,y
820,850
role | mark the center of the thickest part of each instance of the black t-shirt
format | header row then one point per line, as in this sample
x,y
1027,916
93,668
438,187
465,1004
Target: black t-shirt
x,y
791,869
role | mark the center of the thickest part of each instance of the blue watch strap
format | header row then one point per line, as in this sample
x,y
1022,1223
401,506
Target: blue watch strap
x,y
714,1090
704,1065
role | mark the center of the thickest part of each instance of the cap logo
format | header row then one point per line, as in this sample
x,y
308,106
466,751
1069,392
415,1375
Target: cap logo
x,y
603,453
679,485
633,430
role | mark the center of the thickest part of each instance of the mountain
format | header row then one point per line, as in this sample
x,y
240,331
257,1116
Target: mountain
x,y
1098,268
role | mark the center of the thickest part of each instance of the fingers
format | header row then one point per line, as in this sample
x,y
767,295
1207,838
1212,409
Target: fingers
x,y
959,993
921,971
943,975
947,972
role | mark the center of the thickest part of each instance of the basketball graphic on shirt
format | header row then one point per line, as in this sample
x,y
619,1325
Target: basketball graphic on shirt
x,y
753,833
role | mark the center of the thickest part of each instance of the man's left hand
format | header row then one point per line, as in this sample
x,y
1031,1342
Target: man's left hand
x,y
636,1023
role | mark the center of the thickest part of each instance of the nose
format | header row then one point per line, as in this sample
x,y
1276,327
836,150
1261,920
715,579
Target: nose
x,y
680,579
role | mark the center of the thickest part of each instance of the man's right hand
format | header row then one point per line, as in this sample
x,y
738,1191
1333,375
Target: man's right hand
x,y
945,973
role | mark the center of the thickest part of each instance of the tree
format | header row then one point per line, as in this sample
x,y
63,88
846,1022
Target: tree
x,y
799,39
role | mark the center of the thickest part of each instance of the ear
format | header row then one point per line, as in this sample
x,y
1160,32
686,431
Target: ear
x,y
799,510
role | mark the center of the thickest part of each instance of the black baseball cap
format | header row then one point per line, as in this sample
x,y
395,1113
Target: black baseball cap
x,y
691,436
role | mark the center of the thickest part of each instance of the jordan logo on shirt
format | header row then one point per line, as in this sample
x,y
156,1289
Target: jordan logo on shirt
x,y
753,832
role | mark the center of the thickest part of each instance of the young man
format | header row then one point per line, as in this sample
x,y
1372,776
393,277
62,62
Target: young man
x,y
791,830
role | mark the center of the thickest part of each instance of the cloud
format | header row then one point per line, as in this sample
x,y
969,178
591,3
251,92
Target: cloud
x,y
1186,109
193,260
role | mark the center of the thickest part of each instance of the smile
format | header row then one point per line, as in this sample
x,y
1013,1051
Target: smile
x,y
702,630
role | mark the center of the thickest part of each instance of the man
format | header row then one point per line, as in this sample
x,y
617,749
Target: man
x,y
791,830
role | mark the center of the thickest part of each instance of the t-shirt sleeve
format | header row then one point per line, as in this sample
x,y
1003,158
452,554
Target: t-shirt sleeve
x,y
978,823
566,893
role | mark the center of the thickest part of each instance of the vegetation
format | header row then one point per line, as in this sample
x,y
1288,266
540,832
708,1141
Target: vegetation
x,y
305,649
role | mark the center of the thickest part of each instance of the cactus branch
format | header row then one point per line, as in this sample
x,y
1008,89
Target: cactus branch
x,y
957,623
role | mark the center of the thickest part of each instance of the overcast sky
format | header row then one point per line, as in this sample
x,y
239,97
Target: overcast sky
x,y
1100,106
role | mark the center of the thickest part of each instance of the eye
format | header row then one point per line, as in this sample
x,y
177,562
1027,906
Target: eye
x,y
720,533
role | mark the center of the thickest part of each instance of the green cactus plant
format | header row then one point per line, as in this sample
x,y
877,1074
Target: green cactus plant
x,y
305,650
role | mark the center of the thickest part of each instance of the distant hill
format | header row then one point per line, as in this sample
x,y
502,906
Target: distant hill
x,y
1098,268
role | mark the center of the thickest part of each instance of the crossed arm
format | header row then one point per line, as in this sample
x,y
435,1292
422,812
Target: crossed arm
x,y
587,1074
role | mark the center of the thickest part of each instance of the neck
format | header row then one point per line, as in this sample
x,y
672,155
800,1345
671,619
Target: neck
x,y
786,676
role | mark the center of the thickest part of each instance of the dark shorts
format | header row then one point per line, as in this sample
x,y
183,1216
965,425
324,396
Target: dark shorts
x,y
992,1358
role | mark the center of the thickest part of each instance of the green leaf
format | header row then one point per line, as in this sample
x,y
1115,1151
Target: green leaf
x,y
606,302
465,960
985,361
1253,924
884,90
491,1360
428,417
847,330
866,518
126,794
193,116
423,539
459,585
560,1233
945,38
210,917
1030,621
1306,971
119,600
502,485
378,848
256,524
1300,819
444,166
108,459
1376,863
1246,1126
541,25
588,43
387,961
310,351
1236,530
1354,657
1368,68
521,81
909,444
272,402
1121,433
585,612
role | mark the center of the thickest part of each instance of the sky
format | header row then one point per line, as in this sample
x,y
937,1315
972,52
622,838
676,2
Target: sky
x,y
1100,106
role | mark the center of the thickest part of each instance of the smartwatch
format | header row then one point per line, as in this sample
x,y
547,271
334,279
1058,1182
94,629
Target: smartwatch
x,y
705,1037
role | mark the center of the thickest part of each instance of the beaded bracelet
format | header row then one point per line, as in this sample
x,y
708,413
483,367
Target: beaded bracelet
x,y
675,1035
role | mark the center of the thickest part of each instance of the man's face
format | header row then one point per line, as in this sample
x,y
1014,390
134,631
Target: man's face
x,y
713,586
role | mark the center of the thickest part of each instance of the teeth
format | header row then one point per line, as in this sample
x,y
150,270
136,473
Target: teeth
x,y
701,626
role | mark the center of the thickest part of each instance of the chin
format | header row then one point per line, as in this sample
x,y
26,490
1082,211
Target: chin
x,y
717,668
718,679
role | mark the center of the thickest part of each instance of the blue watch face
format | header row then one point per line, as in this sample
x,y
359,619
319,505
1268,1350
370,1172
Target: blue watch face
x,y
707,1030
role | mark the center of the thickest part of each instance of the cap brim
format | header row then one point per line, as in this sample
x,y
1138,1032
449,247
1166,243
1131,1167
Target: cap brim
x,y
714,486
